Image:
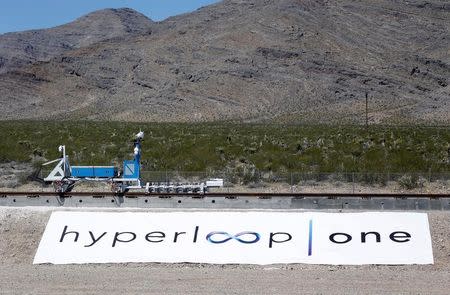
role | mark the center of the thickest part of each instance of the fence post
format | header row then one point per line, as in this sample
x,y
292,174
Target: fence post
x,y
353,182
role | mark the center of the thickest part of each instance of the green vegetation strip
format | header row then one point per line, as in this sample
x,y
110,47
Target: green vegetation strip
x,y
221,146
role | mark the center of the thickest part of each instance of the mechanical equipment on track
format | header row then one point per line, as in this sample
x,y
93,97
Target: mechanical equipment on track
x,y
64,176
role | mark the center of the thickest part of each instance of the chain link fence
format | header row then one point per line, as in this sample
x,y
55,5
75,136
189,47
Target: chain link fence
x,y
252,178
296,181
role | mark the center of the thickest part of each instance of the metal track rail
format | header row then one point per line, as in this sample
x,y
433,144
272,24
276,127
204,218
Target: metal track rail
x,y
227,195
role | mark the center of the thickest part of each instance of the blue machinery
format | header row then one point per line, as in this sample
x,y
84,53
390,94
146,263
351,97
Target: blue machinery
x,y
64,177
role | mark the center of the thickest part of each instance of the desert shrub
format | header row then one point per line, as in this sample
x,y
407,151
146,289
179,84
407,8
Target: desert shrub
x,y
242,172
311,151
410,182
371,178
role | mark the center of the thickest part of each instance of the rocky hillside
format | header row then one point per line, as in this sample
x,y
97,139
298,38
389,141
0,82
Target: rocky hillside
x,y
24,48
262,60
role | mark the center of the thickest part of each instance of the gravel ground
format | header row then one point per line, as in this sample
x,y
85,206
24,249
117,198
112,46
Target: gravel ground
x,y
21,230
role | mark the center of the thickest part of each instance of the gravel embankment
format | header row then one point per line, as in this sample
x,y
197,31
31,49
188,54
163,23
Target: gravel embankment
x,y
21,230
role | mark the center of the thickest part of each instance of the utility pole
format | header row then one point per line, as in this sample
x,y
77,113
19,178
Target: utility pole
x,y
367,111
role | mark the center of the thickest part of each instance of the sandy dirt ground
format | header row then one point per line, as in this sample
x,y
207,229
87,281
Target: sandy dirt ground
x,y
21,230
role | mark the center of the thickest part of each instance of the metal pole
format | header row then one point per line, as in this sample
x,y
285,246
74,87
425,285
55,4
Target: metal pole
x,y
353,182
64,157
367,111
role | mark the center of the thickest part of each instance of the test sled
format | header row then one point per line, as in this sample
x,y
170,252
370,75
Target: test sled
x,y
64,176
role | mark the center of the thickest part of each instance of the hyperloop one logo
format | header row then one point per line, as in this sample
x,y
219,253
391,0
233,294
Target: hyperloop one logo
x,y
220,237
249,237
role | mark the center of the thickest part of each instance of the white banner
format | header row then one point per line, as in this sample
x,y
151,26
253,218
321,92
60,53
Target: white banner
x,y
236,237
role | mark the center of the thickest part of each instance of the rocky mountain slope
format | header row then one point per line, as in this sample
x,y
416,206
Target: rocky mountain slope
x,y
268,60
24,48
